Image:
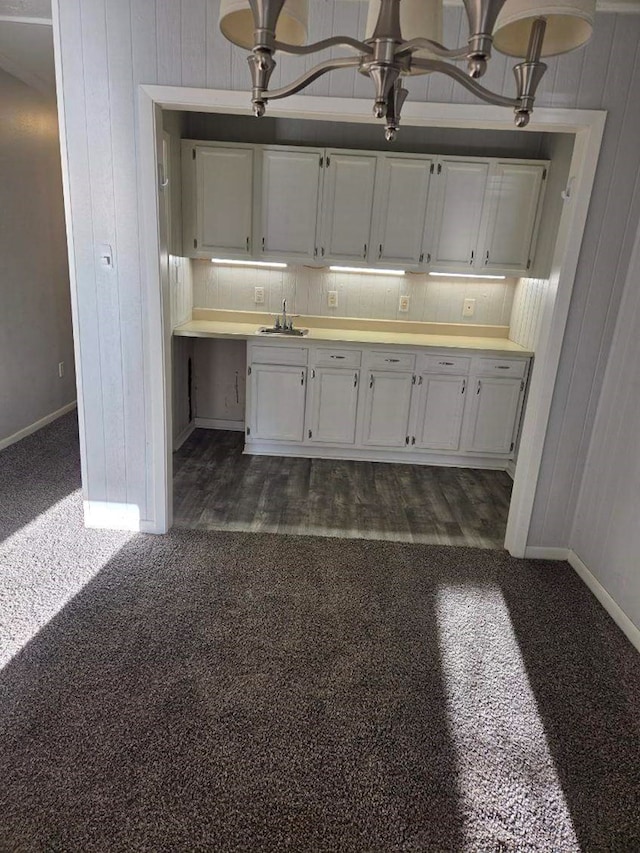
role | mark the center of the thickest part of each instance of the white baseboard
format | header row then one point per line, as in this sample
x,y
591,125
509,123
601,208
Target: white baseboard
x,y
218,423
184,435
540,553
511,469
104,515
614,610
23,433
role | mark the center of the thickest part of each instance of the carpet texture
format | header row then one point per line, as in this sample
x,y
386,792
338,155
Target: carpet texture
x,y
227,692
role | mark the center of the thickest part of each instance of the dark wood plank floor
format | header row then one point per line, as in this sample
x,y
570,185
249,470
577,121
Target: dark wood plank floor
x,y
216,487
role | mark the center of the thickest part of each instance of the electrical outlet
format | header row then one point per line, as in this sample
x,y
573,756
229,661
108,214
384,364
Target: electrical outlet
x,y
61,369
468,307
332,298
258,295
404,303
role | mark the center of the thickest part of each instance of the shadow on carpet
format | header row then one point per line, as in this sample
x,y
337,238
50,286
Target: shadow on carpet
x,y
252,692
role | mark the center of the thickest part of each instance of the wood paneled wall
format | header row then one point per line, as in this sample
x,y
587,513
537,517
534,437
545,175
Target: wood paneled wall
x,y
107,47
606,535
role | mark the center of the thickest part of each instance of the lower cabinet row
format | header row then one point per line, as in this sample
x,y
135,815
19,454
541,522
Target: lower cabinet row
x,y
368,407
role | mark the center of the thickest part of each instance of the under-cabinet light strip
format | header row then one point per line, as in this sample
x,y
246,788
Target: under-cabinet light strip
x,y
367,271
465,275
230,262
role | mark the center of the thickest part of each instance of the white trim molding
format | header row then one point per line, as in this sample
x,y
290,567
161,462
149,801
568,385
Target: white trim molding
x,y
34,427
614,610
219,423
541,553
586,125
180,439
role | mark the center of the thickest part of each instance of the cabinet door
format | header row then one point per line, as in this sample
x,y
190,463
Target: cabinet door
x,y
386,419
513,195
440,411
458,213
277,402
401,205
493,415
290,196
334,403
347,203
224,193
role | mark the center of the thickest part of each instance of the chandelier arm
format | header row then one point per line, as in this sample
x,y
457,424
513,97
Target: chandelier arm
x,y
310,76
469,83
409,47
314,47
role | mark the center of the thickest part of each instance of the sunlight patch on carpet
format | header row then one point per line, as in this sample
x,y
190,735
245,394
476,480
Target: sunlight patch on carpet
x,y
504,765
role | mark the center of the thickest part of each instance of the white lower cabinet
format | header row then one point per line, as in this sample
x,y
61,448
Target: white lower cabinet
x,y
440,410
492,415
370,403
333,405
387,407
277,402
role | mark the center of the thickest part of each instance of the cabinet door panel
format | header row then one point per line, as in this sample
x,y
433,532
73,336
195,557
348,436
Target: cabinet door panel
x,y
277,402
346,206
290,190
402,208
334,405
386,421
493,416
440,412
461,190
513,193
224,189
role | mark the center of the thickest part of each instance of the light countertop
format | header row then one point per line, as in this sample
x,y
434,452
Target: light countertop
x,y
234,325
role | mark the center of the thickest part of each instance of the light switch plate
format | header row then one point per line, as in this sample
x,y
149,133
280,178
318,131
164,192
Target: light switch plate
x,y
468,307
332,298
258,295
404,303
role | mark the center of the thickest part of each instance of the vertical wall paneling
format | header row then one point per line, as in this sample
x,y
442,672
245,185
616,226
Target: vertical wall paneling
x,y
169,38
119,57
101,185
194,42
606,535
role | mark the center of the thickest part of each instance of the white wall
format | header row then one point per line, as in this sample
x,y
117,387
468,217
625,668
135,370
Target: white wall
x,y
377,297
606,533
35,310
109,47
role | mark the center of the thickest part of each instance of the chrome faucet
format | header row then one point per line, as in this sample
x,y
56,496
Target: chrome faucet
x,y
283,321
284,315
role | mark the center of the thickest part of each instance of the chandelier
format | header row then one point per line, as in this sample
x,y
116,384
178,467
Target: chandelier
x,y
403,38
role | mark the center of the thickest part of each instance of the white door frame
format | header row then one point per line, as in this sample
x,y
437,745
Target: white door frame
x,y
586,125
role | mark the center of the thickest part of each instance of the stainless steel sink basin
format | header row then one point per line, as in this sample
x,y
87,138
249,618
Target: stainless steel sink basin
x,y
289,333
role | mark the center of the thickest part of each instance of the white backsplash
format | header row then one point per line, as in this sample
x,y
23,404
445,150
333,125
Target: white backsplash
x,y
373,297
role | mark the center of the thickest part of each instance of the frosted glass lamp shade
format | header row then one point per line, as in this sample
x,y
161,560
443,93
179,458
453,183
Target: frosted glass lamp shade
x,y
418,19
236,22
569,25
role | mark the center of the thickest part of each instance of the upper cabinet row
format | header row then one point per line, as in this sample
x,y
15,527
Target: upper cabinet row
x,y
316,205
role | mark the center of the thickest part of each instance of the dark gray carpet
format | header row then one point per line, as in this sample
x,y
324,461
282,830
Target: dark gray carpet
x,y
225,691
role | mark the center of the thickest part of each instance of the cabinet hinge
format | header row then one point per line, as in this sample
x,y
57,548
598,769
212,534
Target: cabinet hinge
x,y
406,441
248,371
302,377
328,161
413,439
310,434
248,430
413,380
428,257
529,264
355,380
439,168
522,385
193,153
313,374
321,162
421,257
263,244
432,168
544,175
512,446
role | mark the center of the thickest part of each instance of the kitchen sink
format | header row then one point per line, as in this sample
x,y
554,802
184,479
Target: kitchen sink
x,y
289,333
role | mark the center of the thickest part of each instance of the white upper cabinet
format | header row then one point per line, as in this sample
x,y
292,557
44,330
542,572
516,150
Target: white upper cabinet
x,y
461,186
347,205
223,200
401,210
290,202
512,212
